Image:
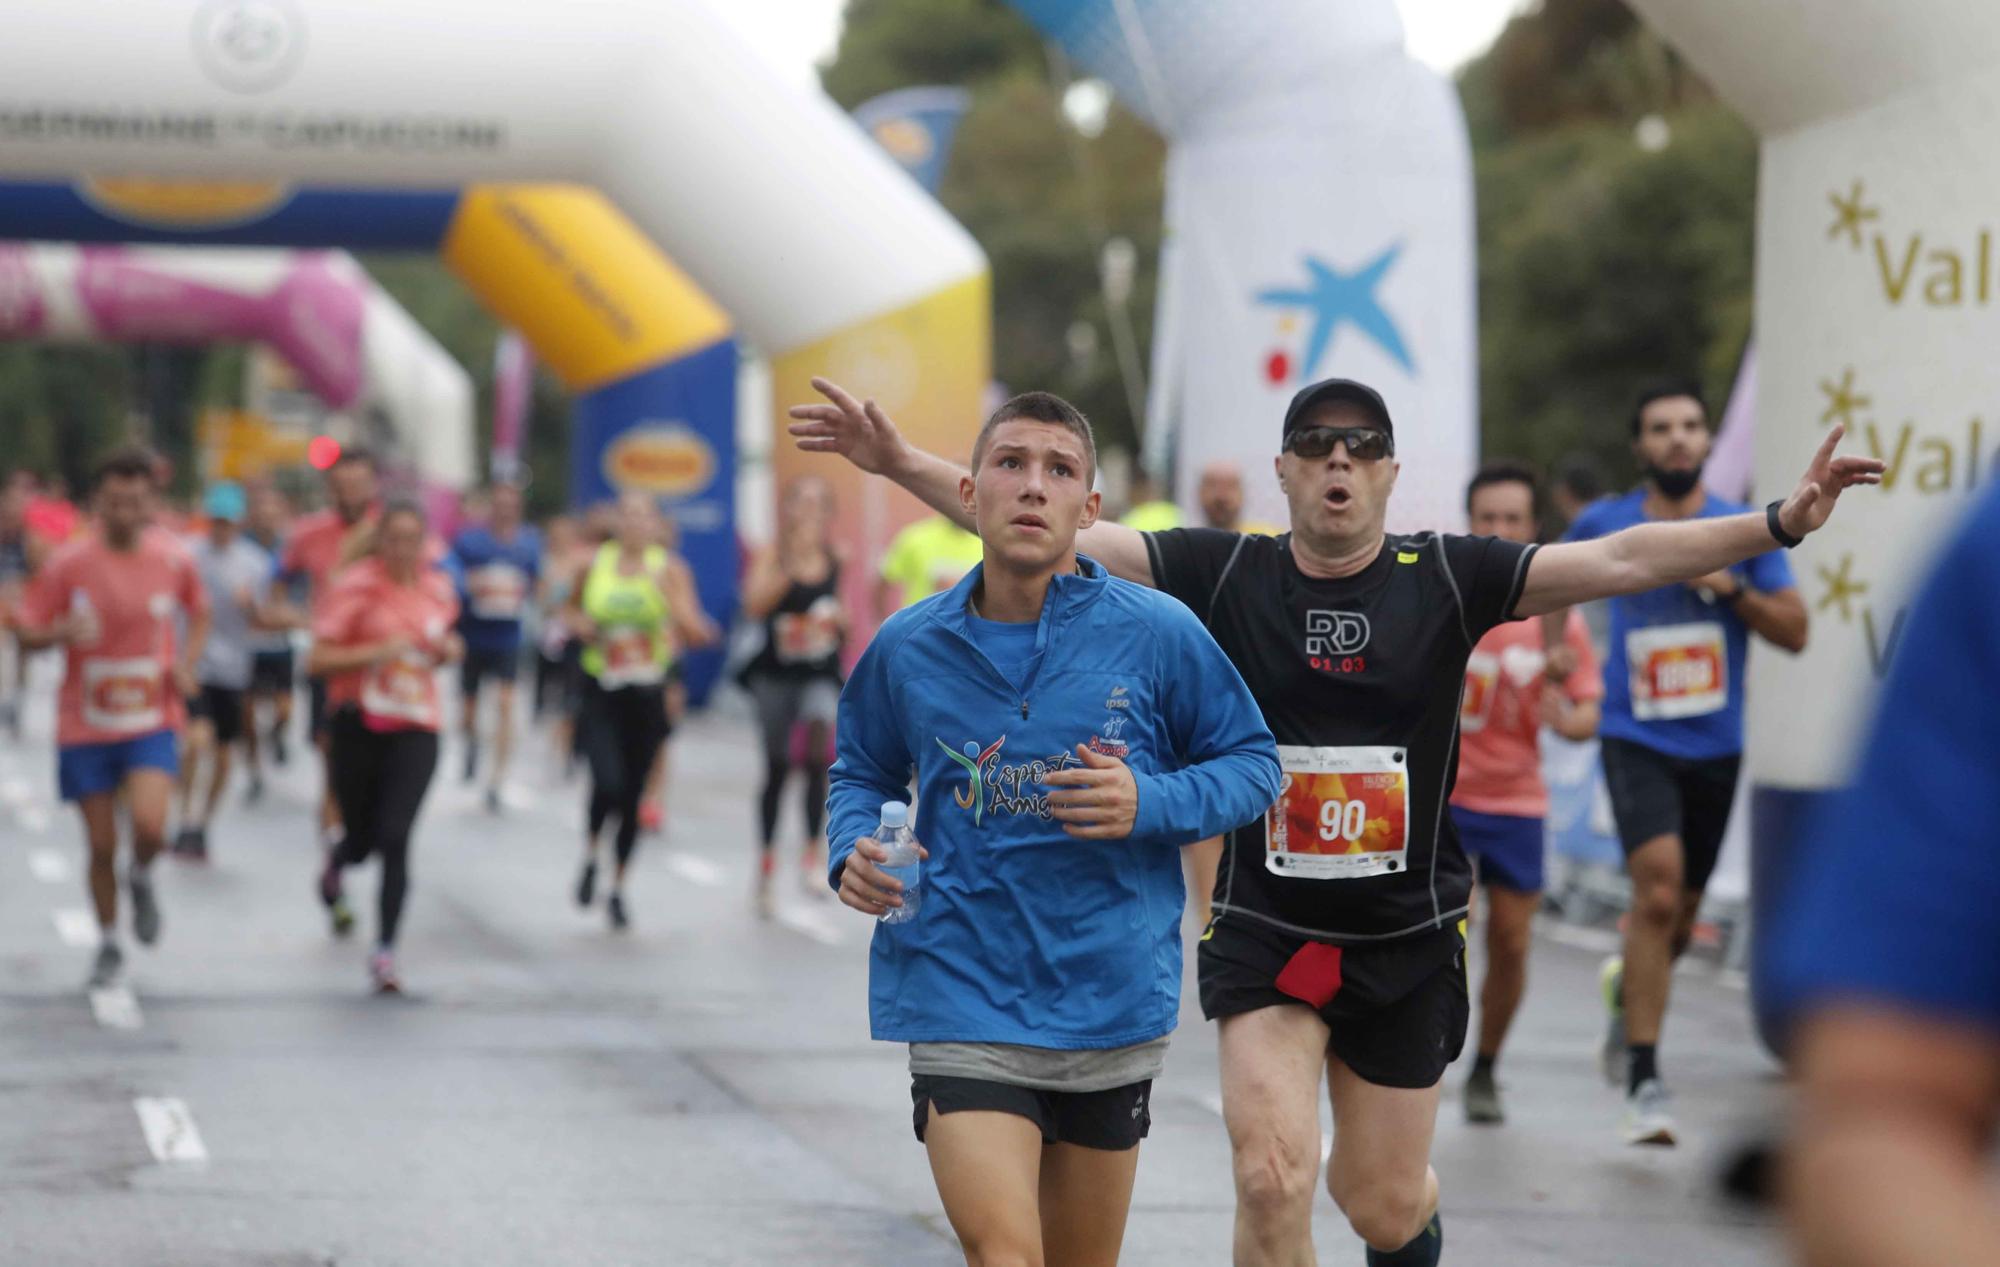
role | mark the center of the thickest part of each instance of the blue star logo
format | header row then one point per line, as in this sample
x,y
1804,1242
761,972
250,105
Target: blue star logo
x,y
1334,297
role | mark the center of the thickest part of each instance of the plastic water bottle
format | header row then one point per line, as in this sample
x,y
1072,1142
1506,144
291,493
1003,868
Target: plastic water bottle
x,y
902,864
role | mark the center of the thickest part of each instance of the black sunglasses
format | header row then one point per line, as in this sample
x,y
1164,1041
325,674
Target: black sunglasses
x,y
1364,444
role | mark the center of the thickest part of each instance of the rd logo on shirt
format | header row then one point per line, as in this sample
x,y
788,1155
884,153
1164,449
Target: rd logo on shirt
x,y
1334,640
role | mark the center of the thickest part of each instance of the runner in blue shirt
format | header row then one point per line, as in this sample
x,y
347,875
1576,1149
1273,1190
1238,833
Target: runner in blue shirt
x,y
1068,732
1885,957
497,566
1672,731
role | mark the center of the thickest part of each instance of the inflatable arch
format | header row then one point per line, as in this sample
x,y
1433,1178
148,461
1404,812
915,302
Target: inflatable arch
x,y
640,128
349,343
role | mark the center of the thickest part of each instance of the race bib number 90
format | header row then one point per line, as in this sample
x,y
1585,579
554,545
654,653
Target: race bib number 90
x,y
124,696
1678,670
1341,813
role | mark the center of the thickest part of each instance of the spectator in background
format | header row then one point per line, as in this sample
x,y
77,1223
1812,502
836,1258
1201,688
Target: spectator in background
x,y
1151,510
1579,481
21,553
1220,496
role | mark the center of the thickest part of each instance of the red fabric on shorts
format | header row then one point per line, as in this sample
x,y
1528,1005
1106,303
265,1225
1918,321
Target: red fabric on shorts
x,y
1313,975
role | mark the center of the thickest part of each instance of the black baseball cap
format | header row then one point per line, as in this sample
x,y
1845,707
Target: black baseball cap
x,y
1338,389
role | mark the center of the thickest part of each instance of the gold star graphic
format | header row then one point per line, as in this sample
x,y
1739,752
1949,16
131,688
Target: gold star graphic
x,y
1842,400
1850,213
1840,587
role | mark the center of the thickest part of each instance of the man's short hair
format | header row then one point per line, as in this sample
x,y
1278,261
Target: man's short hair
x,y
1041,407
361,454
1580,477
1505,471
1666,389
132,462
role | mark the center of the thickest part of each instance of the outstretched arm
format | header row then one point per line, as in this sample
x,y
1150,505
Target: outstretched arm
x,y
1652,555
859,431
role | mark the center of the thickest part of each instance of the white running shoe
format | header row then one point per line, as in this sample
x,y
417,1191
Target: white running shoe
x,y
1648,1115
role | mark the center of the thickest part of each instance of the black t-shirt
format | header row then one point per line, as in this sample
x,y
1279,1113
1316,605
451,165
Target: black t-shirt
x,y
804,633
1359,679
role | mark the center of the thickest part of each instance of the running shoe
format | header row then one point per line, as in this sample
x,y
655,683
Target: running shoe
x,y
279,753
493,800
767,899
339,915
616,906
1427,1249
1649,1117
183,846
586,883
104,970
651,816
382,972
472,763
145,908
10,716
255,792
1613,1058
1482,1100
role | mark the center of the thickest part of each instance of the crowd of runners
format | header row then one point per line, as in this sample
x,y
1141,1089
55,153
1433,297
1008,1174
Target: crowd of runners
x,y
1338,726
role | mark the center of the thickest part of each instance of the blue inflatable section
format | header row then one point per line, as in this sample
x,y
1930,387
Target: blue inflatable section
x,y
359,220
671,432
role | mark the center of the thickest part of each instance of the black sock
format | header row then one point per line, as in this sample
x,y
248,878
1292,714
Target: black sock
x,y
1483,1064
1424,1251
1645,1064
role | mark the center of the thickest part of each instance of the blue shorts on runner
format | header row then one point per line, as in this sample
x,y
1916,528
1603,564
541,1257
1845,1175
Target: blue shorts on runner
x,y
1507,848
91,769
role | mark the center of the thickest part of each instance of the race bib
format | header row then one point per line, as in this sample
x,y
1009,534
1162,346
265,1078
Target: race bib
x,y
811,635
630,659
1678,670
498,591
1482,674
402,692
1341,813
126,696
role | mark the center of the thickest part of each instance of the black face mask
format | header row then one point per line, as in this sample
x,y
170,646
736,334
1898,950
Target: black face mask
x,y
1675,484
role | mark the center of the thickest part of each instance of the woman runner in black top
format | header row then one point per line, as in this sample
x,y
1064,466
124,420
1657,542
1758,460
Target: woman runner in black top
x,y
794,588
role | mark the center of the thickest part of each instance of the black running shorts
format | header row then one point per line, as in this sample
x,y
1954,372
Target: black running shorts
x,y
1397,1010
1654,795
1113,1120
222,708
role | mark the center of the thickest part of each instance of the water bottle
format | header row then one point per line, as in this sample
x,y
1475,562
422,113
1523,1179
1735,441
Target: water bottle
x,y
902,864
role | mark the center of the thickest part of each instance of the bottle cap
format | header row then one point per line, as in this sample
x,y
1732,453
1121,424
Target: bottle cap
x,y
895,814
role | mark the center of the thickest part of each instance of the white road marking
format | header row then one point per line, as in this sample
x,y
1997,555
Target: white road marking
x,y
49,866
695,870
170,1130
77,927
116,1007
810,926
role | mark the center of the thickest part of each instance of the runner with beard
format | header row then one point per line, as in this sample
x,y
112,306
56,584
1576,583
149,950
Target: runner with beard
x,y
320,543
1673,731
1336,951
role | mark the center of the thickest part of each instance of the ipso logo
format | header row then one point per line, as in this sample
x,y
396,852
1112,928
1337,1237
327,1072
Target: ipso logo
x,y
249,45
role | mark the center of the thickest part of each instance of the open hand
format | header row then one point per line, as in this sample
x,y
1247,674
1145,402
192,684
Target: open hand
x,y
857,430
1100,800
1811,503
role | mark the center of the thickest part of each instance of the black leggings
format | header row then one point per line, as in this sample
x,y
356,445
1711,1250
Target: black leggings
x,y
380,779
781,704
621,732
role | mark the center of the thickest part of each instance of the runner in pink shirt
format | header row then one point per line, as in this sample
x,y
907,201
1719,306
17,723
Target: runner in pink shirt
x,y
1499,801
380,632
111,600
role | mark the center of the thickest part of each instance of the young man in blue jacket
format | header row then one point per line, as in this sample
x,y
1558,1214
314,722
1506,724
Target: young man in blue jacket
x,y
1068,732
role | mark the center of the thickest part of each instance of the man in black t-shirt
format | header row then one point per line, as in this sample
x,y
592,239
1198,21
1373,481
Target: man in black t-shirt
x,y
1336,942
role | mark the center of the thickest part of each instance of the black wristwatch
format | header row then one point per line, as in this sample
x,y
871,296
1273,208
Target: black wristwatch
x,y
1777,527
